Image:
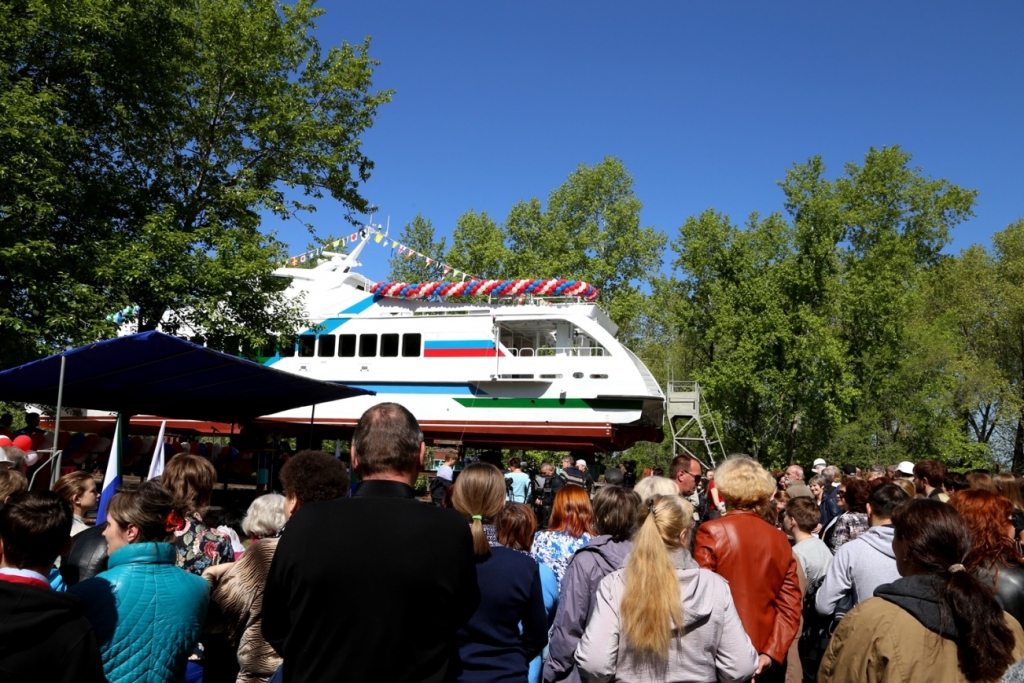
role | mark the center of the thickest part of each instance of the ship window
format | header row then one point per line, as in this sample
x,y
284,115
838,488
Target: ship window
x,y
326,347
268,349
346,345
389,345
367,345
307,344
411,345
287,347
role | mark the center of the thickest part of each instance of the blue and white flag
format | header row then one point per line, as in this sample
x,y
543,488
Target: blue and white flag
x,y
156,465
112,479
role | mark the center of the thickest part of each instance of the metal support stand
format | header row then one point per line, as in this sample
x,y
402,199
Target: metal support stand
x,y
690,420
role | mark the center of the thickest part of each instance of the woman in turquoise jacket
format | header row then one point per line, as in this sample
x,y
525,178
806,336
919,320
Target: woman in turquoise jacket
x,y
146,612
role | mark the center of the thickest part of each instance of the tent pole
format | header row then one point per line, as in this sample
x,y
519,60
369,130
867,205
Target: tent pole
x,y
55,468
312,417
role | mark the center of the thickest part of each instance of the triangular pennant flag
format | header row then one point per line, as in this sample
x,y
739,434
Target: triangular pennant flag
x,y
156,465
386,244
112,478
378,237
336,243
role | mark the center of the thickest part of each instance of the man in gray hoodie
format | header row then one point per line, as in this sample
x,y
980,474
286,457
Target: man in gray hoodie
x,y
867,562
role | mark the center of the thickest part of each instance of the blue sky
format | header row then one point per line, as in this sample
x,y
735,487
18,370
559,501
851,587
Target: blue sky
x,y
707,104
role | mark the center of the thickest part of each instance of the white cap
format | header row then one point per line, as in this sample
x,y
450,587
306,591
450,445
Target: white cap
x,y
905,467
581,463
820,462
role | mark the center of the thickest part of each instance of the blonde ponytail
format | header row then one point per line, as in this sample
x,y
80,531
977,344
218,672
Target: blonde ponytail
x,y
479,494
651,606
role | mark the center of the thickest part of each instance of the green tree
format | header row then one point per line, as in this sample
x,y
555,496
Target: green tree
x,y
140,147
1009,252
589,230
478,246
418,235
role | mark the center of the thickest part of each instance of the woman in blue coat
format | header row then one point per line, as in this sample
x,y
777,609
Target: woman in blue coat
x,y
510,626
146,612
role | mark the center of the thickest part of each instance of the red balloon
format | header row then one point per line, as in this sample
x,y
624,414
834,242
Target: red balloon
x,y
5,440
24,442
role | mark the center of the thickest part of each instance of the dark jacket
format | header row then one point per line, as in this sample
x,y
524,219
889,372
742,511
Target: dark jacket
x,y
829,509
1009,588
588,566
45,637
491,646
87,557
573,475
371,588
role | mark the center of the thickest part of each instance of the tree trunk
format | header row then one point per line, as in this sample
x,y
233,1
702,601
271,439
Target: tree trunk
x,y
1018,447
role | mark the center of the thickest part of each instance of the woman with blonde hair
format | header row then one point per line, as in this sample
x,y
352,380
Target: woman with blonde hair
x,y
757,561
648,486
79,490
661,617
491,645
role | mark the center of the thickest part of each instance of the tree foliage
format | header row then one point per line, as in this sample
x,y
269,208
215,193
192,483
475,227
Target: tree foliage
x,y
141,144
413,267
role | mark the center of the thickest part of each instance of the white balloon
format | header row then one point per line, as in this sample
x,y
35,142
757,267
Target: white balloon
x,y
31,457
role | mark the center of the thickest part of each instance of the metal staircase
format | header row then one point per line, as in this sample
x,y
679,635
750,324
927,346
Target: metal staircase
x,y
690,421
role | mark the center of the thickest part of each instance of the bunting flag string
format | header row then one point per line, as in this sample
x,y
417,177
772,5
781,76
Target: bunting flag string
x,y
443,270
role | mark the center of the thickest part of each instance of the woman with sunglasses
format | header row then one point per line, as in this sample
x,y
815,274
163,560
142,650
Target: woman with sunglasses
x,y
853,520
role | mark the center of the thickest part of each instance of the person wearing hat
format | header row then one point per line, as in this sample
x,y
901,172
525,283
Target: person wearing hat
x,y
819,465
905,470
614,476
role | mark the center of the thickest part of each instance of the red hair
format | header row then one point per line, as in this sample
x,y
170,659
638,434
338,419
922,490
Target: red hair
x,y
988,517
572,512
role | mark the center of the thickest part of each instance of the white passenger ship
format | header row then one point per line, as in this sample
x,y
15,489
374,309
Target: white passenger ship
x,y
534,373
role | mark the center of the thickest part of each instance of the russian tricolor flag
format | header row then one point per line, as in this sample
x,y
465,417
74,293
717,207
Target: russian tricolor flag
x,y
112,479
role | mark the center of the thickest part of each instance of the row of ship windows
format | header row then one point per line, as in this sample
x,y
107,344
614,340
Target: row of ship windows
x,y
352,345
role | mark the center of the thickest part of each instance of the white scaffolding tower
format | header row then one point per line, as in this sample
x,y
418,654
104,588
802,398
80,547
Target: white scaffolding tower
x,y
690,421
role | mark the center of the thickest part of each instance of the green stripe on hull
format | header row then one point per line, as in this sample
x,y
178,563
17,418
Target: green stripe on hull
x,y
584,403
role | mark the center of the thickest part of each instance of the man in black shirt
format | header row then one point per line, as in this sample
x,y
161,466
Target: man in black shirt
x,y
373,587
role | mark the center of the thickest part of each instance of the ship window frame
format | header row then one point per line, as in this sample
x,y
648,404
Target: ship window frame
x,y
407,345
364,350
287,346
307,346
386,350
332,343
347,345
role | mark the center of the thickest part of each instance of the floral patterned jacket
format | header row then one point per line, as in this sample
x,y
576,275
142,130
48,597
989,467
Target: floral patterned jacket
x,y
556,548
199,546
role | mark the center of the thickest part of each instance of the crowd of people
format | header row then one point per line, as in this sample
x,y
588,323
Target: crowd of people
x,y
908,573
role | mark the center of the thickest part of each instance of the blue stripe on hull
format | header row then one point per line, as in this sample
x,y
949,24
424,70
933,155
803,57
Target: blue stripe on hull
x,y
438,388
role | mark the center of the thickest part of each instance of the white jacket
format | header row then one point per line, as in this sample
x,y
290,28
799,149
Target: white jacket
x,y
712,646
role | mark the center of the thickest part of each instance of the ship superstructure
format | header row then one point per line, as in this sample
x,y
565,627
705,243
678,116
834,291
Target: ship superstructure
x,y
535,372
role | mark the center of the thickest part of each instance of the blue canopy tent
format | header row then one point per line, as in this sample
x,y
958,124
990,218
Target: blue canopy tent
x,y
152,373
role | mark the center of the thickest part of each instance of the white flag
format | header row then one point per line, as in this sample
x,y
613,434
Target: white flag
x,y
156,466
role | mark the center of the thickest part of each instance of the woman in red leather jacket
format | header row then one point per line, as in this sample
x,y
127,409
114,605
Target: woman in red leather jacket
x,y
758,562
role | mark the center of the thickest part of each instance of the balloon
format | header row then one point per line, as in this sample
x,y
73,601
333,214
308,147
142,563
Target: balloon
x,y
5,440
31,457
103,445
23,441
